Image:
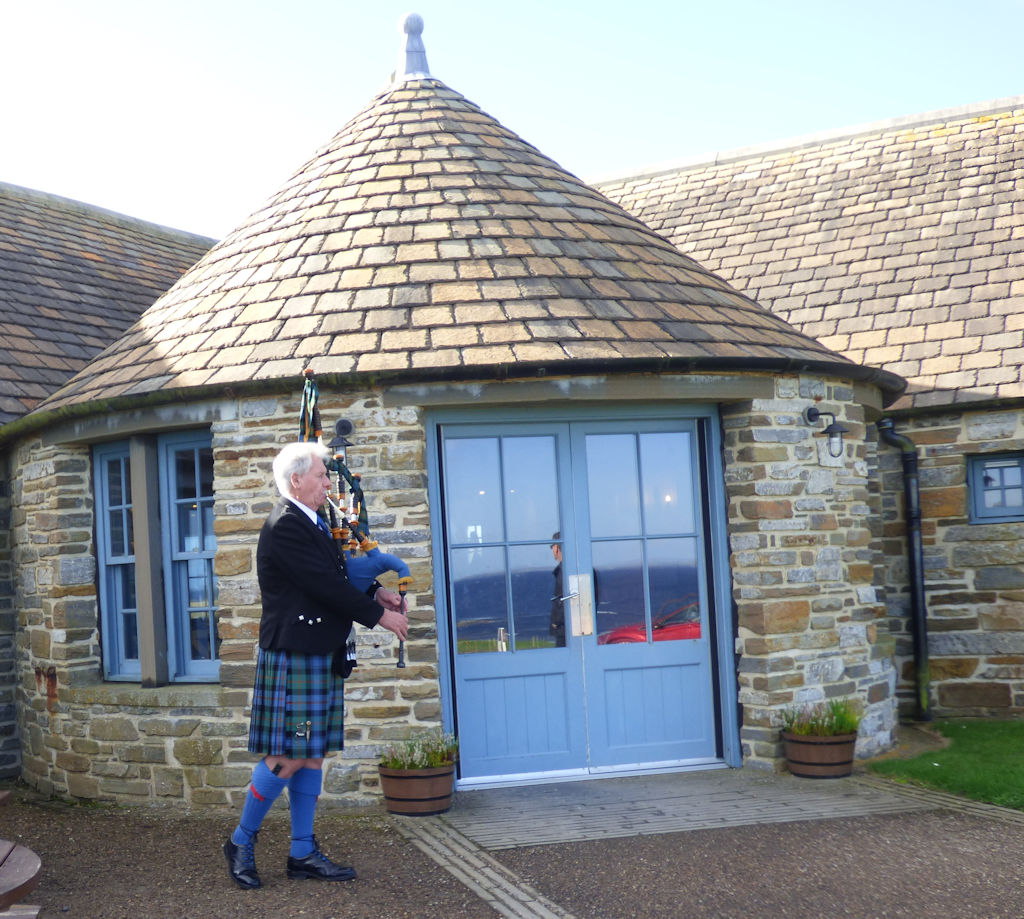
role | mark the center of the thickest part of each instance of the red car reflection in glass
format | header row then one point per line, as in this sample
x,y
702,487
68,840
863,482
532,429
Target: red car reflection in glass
x,y
676,625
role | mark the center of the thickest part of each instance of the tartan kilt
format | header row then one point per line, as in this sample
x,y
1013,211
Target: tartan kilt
x,y
298,706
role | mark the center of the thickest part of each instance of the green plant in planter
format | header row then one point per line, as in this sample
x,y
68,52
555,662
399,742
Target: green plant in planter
x,y
824,719
429,750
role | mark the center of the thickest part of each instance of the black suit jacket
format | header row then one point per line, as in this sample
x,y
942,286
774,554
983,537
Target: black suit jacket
x,y
309,603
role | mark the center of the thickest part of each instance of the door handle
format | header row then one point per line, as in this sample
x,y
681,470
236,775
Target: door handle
x,y
581,609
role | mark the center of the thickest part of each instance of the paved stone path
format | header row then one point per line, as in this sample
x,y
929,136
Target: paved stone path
x,y
483,821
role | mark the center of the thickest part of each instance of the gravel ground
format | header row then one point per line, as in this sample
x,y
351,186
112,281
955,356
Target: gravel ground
x,y
931,865
120,863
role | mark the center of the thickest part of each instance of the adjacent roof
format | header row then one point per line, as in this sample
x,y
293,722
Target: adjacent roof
x,y
900,245
72,279
428,241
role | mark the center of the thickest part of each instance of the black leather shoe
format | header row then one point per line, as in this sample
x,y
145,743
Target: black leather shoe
x,y
242,864
318,866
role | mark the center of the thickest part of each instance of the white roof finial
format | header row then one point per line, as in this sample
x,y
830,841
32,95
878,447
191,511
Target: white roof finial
x,y
412,56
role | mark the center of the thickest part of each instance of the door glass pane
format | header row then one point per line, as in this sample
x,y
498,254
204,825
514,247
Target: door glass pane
x,y
667,483
612,483
479,599
619,591
675,592
474,493
531,487
535,573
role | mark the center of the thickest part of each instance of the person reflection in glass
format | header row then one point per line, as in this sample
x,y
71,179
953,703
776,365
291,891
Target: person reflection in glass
x,y
557,628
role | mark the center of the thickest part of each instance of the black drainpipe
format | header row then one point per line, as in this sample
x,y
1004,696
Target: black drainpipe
x,y
915,560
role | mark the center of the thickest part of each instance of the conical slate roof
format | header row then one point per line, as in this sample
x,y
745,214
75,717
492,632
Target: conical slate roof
x,y
427,241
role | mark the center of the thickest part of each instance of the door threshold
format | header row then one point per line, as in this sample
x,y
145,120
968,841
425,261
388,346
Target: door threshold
x,y
581,775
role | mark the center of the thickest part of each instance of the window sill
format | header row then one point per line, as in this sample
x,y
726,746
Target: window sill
x,y
132,694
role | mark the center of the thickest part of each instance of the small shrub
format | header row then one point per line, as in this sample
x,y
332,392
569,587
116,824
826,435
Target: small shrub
x,y
825,719
424,751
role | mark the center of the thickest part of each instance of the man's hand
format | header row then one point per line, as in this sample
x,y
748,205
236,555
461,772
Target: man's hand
x,y
394,622
389,600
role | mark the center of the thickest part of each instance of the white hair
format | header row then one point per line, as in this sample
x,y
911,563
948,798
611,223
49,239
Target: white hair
x,y
296,458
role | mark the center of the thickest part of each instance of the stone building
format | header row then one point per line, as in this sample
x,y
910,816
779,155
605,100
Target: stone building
x,y
72,278
901,245
630,550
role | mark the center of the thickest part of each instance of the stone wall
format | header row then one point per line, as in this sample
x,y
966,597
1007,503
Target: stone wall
x,y
388,452
803,554
185,743
973,573
804,558
10,748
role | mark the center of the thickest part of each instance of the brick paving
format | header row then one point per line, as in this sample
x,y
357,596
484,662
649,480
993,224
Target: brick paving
x,y
493,820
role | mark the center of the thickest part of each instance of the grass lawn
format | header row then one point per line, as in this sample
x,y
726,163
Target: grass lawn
x,y
984,761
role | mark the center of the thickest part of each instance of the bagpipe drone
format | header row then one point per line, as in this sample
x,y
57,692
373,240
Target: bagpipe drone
x,y
347,516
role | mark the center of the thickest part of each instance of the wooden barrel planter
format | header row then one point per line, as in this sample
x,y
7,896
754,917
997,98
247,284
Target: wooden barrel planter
x,y
813,757
418,792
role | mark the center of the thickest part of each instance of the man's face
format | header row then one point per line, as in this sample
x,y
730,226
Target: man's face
x,y
312,487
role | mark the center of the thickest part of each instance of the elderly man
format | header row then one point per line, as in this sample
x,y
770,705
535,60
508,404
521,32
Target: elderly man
x,y
309,606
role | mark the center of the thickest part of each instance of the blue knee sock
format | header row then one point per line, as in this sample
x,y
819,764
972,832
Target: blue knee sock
x,y
303,791
264,790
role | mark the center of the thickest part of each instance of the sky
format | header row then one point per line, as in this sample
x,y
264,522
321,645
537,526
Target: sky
x,y
191,114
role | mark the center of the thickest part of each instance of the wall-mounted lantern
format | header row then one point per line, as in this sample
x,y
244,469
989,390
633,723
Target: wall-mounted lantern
x,y
834,431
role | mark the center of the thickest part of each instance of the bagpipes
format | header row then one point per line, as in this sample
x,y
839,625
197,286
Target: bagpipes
x,y
347,517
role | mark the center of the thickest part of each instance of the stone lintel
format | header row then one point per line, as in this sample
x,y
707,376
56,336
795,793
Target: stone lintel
x,y
703,387
160,418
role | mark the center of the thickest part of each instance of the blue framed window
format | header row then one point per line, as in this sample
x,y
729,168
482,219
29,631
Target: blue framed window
x,y
115,539
177,630
186,483
996,484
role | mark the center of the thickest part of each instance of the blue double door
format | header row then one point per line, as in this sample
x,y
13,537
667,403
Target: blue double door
x,y
579,596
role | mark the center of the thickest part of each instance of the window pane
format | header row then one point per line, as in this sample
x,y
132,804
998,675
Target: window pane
x,y
127,580
122,594
185,474
206,472
533,596
1014,497
130,638
619,590
675,598
667,483
114,489
479,600
200,635
475,506
198,584
612,484
118,545
189,534
209,538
